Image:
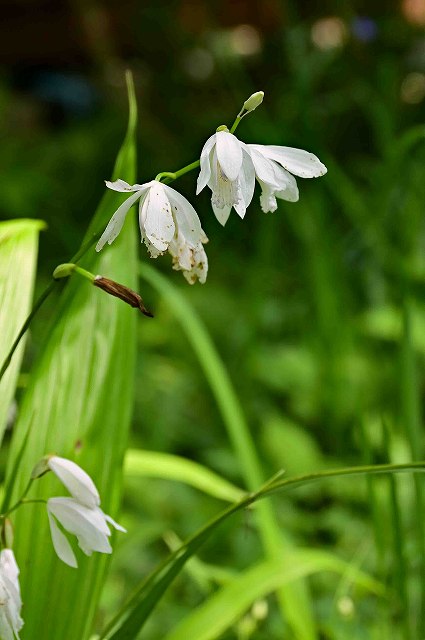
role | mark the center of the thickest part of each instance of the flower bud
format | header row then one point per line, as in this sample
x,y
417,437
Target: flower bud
x,y
253,102
123,293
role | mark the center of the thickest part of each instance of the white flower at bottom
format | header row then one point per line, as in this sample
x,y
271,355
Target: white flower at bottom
x,y
10,597
274,167
192,261
88,524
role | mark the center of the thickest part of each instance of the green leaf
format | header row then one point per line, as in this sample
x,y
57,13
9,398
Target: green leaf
x,y
226,606
163,465
18,253
78,404
127,624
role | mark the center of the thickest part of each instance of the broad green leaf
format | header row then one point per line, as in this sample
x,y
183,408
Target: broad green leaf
x,y
78,404
18,253
226,606
127,624
164,465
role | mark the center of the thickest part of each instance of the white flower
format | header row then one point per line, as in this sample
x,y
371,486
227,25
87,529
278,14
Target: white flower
x,y
88,524
77,481
227,169
10,597
80,515
163,214
273,168
192,261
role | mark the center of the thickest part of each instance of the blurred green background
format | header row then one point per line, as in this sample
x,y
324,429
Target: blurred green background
x,y
317,309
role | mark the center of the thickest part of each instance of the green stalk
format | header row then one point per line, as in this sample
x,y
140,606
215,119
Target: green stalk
x,y
400,570
294,602
411,416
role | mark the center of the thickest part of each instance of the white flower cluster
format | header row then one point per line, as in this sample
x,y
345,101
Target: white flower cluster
x,y
229,167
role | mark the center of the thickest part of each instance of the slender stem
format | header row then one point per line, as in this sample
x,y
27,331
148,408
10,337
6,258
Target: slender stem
x,y
170,176
84,273
21,499
235,124
39,303
43,297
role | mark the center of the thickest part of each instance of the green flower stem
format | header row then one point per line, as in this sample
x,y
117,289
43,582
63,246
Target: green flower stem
x,y
84,273
170,176
39,303
37,306
235,124
19,502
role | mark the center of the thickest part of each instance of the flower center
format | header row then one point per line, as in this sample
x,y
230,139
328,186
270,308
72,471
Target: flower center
x,y
226,193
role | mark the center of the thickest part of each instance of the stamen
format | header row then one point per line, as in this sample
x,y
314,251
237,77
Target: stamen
x,y
226,193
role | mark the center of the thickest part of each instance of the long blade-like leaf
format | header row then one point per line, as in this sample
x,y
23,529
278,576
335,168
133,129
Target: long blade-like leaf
x,y
154,464
18,252
129,621
78,404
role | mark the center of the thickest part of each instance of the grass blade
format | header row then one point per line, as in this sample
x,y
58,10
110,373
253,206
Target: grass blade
x,y
164,465
18,253
129,621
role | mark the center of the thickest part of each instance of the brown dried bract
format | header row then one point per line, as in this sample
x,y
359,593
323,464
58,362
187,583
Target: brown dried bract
x,y
122,292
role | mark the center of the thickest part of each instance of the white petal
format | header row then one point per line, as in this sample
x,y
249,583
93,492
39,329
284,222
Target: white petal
x,y
155,217
267,197
77,481
10,596
266,170
61,545
229,154
122,185
8,565
113,523
247,180
290,193
221,213
6,632
185,216
205,172
116,222
297,161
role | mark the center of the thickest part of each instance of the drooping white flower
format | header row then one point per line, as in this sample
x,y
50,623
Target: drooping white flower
x,y
274,167
80,515
10,597
163,213
89,524
228,170
192,261
76,480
